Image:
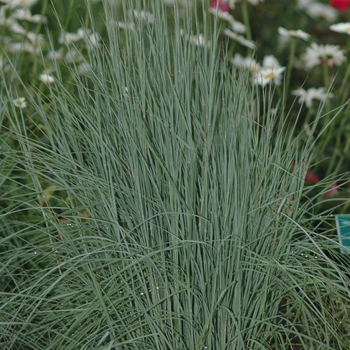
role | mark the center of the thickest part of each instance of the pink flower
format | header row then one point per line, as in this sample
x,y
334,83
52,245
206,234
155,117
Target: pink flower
x,y
341,5
221,5
332,190
310,177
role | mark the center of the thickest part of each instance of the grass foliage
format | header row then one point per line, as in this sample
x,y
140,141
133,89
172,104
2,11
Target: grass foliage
x,y
162,208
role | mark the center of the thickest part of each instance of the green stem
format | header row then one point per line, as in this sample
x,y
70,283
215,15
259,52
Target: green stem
x,y
325,75
231,49
325,142
279,92
290,63
37,30
338,146
245,14
326,86
69,15
344,89
308,115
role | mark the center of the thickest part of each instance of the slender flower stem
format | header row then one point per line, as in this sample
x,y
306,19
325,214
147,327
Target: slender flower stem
x,y
330,133
246,23
290,63
310,112
37,31
325,75
326,84
344,89
338,146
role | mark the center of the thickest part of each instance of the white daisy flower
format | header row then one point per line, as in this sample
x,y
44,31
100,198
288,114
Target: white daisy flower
x,y
24,47
293,33
15,27
341,28
73,55
84,68
307,96
55,55
269,75
270,61
331,54
125,26
303,4
236,25
239,38
93,40
19,3
198,40
20,102
270,72
317,10
24,14
246,63
68,38
46,78
36,38
144,16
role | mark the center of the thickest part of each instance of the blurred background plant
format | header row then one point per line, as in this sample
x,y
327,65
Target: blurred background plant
x,y
302,48
167,177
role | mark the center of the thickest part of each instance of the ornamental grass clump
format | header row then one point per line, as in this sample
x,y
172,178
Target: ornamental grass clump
x,y
164,209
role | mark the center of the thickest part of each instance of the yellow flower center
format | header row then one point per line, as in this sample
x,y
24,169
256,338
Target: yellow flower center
x,y
270,75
